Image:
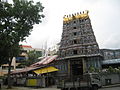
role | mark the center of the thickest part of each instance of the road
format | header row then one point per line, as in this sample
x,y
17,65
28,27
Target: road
x,y
28,88
112,88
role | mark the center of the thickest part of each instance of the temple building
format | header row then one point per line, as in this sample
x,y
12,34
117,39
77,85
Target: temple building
x,y
78,49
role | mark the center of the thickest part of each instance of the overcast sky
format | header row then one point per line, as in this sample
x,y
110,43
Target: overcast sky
x,y
104,15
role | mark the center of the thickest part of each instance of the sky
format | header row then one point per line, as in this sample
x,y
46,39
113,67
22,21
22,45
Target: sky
x,y
104,15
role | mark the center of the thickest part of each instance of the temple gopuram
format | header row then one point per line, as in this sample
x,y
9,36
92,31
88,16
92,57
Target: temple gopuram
x,y
79,49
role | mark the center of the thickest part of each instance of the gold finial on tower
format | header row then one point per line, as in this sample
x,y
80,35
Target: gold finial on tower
x,y
77,15
87,11
72,15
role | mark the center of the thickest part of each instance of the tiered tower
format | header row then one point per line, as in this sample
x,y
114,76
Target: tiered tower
x,y
78,47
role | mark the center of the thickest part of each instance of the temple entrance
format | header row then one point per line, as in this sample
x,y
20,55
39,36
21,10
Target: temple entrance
x,y
77,67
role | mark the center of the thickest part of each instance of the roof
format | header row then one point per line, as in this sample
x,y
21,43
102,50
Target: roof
x,y
2,73
6,65
112,61
77,56
26,46
23,70
39,64
46,60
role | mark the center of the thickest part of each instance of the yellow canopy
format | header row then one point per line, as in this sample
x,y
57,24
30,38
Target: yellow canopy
x,y
45,70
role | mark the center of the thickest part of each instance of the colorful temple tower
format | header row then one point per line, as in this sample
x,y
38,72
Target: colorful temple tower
x,y
79,49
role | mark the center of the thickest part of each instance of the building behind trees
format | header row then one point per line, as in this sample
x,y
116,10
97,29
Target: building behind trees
x,y
111,58
22,59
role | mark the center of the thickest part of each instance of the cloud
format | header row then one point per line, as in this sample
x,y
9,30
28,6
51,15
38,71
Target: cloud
x,y
104,15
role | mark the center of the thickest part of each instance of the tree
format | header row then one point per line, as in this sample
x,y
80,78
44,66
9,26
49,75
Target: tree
x,y
111,70
16,23
91,69
32,58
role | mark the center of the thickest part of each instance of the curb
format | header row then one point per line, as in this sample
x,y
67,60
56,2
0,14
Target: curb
x,y
108,86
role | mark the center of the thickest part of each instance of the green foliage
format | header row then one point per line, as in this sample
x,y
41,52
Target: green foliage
x,y
97,70
92,69
16,23
32,58
118,70
111,69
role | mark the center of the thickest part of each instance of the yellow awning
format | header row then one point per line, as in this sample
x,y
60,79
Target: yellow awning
x,y
45,70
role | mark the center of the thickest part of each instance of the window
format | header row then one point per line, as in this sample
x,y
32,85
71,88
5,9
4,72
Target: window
x,y
80,20
74,21
74,41
96,76
74,27
75,52
75,33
